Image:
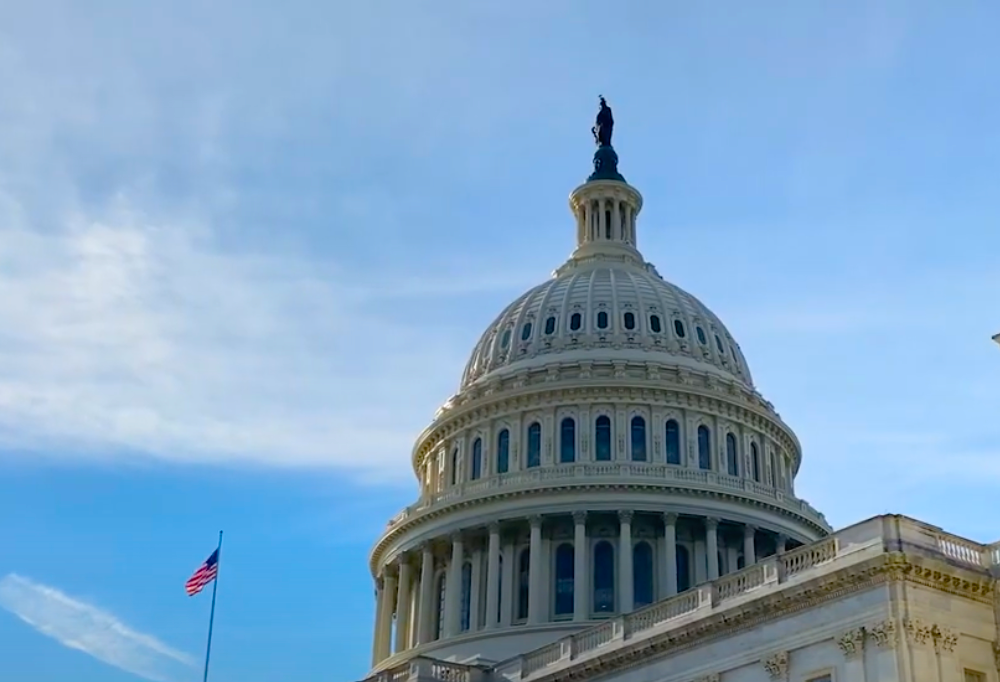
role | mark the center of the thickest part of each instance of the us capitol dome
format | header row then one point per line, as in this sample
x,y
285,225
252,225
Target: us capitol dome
x,y
606,450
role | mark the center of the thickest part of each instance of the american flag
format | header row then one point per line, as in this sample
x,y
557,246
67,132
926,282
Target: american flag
x,y
205,574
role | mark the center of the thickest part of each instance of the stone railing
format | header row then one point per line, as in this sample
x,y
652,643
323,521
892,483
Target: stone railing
x,y
591,472
419,669
853,544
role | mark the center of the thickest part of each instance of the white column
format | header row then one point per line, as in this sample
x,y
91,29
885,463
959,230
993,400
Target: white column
x,y
453,589
617,229
425,611
581,583
385,617
492,575
626,591
403,605
475,590
670,552
508,579
535,603
749,546
377,630
782,541
712,547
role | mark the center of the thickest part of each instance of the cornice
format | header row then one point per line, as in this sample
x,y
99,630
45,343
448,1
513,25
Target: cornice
x,y
662,385
880,570
541,489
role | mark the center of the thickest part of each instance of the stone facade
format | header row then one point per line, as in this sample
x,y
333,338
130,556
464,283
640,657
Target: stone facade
x,y
888,600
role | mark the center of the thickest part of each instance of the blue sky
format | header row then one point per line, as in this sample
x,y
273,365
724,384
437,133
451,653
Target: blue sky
x,y
245,248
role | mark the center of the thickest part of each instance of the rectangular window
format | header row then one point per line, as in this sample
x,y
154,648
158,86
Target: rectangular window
x,y
822,678
974,676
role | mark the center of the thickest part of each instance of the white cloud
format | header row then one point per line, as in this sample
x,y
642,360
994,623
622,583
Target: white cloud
x,y
87,628
124,334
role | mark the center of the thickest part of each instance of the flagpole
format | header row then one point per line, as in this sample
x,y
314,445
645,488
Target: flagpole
x,y
211,618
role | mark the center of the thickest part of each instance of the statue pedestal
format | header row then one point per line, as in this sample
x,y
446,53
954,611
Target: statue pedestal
x,y
606,165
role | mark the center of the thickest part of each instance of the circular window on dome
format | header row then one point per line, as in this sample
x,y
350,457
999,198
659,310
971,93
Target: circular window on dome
x,y
654,324
575,322
629,320
505,339
602,320
701,336
550,325
679,329
526,331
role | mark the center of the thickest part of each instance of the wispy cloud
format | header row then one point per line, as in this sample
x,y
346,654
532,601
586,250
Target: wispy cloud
x,y
87,628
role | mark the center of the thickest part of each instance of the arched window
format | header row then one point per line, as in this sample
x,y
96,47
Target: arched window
x,y
466,596
534,445
638,439
503,452
672,440
774,469
602,439
454,466
477,458
683,569
523,576
439,620
604,577
704,448
755,462
567,440
642,574
564,579
732,459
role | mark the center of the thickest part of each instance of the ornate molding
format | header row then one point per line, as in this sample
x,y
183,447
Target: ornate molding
x,y
776,665
852,643
917,631
579,517
945,639
625,516
883,633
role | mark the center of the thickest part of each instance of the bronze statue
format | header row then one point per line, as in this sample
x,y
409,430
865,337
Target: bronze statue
x,y
605,123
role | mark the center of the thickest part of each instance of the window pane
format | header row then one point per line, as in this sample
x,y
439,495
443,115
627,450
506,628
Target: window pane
x,y
534,445
567,440
503,452
673,442
602,439
638,439
604,578
564,580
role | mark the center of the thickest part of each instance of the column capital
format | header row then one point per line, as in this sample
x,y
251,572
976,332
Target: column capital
x,y
625,516
535,520
456,538
749,531
494,528
711,523
670,518
579,517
